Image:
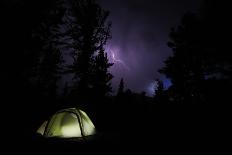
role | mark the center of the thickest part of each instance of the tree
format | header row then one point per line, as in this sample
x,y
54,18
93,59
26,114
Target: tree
x,y
49,71
121,88
88,32
185,67
48,59
160,94
26,31
159,88
39,54
101,83
199,55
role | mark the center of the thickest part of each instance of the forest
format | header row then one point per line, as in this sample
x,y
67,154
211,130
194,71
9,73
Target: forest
x,y
44,41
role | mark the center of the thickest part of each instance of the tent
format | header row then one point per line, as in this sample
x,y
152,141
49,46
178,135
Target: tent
x,y
68,123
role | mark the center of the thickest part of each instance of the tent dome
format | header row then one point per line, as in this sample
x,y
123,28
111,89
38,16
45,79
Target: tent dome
x,y
68,123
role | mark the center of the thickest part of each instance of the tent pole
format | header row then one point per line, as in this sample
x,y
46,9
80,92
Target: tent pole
x,y
80,122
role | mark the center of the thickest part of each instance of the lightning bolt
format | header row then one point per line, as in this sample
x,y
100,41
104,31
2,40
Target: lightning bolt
x,y
117,60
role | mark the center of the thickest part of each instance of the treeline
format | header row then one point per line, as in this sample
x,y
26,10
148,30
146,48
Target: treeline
x,y
200,68
38,36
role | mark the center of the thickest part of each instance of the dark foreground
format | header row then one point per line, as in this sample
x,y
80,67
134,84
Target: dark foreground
x,y
192,129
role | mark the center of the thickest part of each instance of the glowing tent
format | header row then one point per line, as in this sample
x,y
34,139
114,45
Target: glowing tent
x,y
68,123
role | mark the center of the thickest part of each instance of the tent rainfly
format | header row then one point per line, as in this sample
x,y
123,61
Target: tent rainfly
x,y
68,123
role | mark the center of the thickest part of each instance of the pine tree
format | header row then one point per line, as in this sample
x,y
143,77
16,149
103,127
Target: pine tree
x,y
27,27
159,96
88,32
159,88
49,59
121,88
102,78
200,57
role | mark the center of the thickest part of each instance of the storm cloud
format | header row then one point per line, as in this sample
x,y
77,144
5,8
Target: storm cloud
x,y
140,31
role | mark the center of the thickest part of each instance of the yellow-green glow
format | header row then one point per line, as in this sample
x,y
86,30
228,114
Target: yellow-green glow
x,y
70,126
89,128
66,124
42,128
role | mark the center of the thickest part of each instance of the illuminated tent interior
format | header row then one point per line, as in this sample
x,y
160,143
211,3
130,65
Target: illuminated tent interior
x,y
68,123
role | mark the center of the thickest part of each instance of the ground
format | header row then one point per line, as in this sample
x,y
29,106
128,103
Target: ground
x,y
168,129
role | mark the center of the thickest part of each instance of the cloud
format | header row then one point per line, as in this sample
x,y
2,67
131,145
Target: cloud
x,y
140,32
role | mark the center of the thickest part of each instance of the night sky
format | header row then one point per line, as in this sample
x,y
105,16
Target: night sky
x,y
140,31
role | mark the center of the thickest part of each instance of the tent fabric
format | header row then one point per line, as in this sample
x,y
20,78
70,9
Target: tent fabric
x,y
68,123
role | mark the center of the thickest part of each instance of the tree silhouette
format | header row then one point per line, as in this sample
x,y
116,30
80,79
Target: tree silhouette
x,y
101,84
160,96
49,72
199,55
29,52
47,57
185,68
88,31
159,87
121,88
